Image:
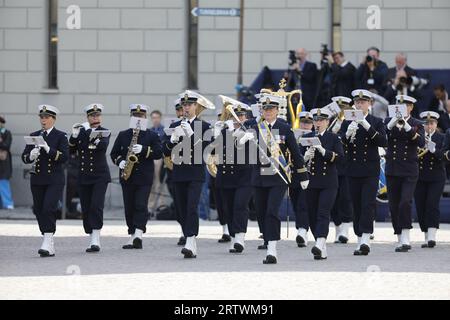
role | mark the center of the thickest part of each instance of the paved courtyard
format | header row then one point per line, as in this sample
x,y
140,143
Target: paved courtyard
x,y
160,272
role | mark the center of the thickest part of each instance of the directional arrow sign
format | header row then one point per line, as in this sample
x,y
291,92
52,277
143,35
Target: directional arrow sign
x,y
224,12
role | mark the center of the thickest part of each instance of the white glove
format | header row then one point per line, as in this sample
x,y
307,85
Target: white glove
x,y
230,125
246,137
97,141
34,154
304,184
218,126
122,164
365,124
75,131
175,137
432,149
238,133
137,148
321,150
187,128
309,154
392,123
407,126
351,129
45,147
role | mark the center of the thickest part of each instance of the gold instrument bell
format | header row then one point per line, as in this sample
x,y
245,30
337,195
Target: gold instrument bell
x,y
282,113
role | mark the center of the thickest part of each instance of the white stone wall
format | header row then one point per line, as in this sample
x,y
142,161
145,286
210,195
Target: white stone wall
x,y
421,28
133,51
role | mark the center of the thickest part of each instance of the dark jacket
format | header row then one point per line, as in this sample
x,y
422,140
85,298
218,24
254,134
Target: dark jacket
x,y
363,74
308,81
263,174
142,173
49,166
432,165
93,167
323,169
188,170
236,170
362,156
5,145
401,155
342,79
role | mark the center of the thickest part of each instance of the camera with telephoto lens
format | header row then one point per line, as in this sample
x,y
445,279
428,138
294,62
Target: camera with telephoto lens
x,y
292,58
411,82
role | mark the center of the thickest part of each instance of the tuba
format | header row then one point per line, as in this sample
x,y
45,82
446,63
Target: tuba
x,y
287,106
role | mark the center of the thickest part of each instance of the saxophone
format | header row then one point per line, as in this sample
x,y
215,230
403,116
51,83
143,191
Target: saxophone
x,y
132,159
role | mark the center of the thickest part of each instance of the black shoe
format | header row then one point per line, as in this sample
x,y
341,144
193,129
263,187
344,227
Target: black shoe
x,y
317,253
238,248
137,243
93,248
188,254
300,242
181,241
364,249
403,248
128,246
357,253
44,253
343,239
425,245
225,238
270,260
262,246
431,244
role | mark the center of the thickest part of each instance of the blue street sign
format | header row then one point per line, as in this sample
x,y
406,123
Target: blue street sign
x,y
224,12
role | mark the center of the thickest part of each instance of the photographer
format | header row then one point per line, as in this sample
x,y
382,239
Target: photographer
x,y
402,80
342,76
372,72
302,74
440,104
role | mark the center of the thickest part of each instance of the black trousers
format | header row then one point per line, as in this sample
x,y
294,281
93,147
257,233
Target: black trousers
x,y
298,200
92,199
135,200
220,206
235,205
363,192
320,202
400,195
267,205
427,197
187,197
342,210
45,205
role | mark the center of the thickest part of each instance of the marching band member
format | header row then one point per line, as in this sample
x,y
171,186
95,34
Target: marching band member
x,y
323,185
298,195
405,135
169,165
93,175
216,188
361,140
234,172
47,176
342,212
133,152
188,173
431,179
271,174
